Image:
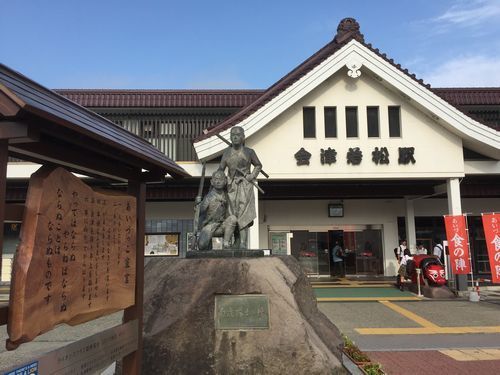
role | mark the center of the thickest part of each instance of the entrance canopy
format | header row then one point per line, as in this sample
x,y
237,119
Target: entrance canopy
x,y
44,127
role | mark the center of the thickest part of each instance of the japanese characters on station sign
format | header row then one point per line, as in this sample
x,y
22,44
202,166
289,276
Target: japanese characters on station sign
x,y
354,156
491,225
458,244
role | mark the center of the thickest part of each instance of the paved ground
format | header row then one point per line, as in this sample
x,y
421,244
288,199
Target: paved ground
x,y
406,336
59,337
424,336
429,362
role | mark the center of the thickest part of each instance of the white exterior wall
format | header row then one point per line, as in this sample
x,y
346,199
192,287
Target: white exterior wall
x,y
313,215
438,152
294,215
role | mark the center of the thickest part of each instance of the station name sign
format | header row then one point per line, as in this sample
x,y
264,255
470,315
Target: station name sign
x,y
354,156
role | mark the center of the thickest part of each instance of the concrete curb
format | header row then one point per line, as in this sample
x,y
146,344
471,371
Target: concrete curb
x,y
350,366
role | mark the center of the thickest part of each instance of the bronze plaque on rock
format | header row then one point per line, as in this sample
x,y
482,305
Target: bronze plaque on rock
x,y
242,312
76,258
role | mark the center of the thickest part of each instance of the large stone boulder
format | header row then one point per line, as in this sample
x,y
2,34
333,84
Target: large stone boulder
x,y
180,336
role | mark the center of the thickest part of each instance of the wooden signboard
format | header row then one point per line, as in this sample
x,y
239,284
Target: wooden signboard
x,y
76,259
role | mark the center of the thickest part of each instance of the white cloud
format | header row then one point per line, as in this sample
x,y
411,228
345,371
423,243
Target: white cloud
x,y
470,13
465,71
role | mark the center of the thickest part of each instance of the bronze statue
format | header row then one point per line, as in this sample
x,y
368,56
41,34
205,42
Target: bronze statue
x,y
215,219
238,160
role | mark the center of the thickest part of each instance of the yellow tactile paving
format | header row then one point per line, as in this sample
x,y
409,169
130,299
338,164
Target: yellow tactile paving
x,y
428,328
473,354
407,313
350,299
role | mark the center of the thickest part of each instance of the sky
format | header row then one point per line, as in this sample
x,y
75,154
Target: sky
x,y
231,44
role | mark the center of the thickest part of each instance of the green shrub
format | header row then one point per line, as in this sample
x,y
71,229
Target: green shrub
x,y
353,351
373,369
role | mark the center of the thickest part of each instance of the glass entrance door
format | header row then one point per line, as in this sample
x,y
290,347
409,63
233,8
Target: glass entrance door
x,y
363,249
362,245
311,249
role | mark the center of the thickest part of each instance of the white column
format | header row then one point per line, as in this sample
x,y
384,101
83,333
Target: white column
x,y
455,208
411,233
453,192
253,235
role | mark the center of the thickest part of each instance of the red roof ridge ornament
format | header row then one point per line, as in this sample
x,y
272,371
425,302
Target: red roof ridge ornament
x,y
348,29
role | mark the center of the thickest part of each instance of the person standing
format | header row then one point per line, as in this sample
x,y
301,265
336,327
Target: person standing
x,y
400,250
421,250
238,160
338,260
438,249
402,267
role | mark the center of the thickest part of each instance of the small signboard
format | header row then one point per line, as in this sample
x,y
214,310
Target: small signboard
x,y
29,369
76,259
87,356
242,312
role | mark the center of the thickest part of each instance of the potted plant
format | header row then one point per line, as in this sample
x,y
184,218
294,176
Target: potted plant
x,y
354,353
373,369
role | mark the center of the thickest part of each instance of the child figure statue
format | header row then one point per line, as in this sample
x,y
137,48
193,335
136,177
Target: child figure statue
x,y
215,219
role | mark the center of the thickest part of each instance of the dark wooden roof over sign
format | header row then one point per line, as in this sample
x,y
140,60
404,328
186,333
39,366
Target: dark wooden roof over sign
x,y
43,126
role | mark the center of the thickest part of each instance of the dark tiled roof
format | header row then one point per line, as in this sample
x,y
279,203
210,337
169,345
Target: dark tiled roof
x,y
162,98
38,101
470,95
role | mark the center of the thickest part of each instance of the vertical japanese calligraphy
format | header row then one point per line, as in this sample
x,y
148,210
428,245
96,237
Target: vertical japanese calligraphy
x,y
76,259
458,244
491,225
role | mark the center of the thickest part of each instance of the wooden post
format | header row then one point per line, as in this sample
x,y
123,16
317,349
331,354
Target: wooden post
x,y
4,153
132,363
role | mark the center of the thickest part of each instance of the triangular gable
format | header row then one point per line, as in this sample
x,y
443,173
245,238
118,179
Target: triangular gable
x,y
356,56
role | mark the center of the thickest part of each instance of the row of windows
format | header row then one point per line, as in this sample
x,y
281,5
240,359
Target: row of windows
x,y
351,121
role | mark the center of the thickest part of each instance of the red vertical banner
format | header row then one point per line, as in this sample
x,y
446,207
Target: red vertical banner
x,y
458,244
491,225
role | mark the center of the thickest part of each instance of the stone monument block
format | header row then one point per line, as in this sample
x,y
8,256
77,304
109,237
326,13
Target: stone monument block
x,y
235,316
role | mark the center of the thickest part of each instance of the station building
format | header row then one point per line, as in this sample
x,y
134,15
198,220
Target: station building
x,y
357,150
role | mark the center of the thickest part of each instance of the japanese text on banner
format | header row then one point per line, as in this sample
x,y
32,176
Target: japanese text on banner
x,y
458,244
491,225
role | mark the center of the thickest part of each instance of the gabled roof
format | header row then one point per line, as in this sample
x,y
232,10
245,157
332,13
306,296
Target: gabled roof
x,y
59,121
161,98
348,49
347,30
